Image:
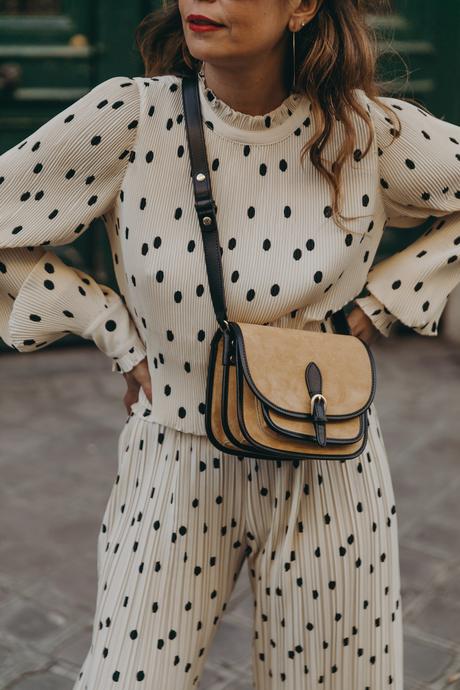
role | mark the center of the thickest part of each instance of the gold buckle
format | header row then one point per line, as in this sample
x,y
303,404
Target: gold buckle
x,y
314,397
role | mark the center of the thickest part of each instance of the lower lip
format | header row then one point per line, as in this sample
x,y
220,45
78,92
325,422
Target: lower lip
x,y
204,27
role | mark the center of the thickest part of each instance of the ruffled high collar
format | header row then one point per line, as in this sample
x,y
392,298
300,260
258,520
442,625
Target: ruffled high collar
x,y
234,124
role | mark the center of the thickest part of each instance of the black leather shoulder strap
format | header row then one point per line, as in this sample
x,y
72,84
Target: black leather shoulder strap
x,y
204,203
206,208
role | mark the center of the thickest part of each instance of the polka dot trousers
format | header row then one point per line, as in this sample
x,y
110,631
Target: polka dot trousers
x,y
321,539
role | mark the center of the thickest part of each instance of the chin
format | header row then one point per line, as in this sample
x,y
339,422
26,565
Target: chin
x,y
199,53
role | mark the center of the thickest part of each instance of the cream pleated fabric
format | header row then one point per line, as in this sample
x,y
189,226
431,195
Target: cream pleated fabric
x,y
321,540
120,152
320,536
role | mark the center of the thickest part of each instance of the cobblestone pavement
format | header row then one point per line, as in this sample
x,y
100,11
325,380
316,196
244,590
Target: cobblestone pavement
x,y
60,414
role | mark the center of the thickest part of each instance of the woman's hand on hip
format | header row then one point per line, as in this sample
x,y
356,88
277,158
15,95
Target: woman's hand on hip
x,y
137,377
362,326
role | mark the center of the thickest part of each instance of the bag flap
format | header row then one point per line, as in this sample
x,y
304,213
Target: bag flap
x,y
337,431
260,434
274,361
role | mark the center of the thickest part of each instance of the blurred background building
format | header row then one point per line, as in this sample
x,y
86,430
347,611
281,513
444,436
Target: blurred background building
x,y
53,51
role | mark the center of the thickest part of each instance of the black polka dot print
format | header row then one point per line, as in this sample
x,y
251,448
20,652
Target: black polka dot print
x,y
54,206
323,557
412,285
326,583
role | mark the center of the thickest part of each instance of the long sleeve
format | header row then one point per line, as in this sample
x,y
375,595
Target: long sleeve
x,y
419,177
52,186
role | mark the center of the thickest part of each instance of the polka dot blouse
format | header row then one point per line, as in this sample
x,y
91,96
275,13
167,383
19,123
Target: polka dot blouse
x,y
120,153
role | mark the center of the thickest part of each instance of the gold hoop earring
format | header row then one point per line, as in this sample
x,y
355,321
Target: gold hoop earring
x,y
294,59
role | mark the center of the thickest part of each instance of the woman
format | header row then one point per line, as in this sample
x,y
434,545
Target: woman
x,y
320,537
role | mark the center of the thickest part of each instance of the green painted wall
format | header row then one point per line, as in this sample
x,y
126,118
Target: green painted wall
x,y
422,38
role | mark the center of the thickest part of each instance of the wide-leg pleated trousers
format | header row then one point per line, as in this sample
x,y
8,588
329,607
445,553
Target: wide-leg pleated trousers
x,y
321,538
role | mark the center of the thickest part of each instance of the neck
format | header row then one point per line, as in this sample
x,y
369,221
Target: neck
x,y
250,92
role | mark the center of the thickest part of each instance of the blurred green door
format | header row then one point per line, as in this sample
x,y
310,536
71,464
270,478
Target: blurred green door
x,y
420,59
429,39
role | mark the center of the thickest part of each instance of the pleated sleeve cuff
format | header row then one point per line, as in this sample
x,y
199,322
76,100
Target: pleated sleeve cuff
x,y
377,312
44,309
128,361
402,311
56,299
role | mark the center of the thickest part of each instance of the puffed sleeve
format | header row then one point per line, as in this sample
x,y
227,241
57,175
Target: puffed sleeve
x,y
53,185
419,175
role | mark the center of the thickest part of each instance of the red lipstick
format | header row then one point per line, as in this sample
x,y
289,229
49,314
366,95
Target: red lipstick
x,y
199,22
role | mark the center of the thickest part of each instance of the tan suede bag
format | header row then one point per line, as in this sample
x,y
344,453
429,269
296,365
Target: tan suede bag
x,y
275,393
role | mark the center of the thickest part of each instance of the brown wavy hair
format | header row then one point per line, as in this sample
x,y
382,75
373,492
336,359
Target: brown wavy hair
x,y
336,53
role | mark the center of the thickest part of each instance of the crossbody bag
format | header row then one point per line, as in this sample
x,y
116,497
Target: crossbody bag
x,y
275,393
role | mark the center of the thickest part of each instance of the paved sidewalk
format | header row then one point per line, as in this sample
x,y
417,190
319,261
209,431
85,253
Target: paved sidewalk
x,y
60,416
